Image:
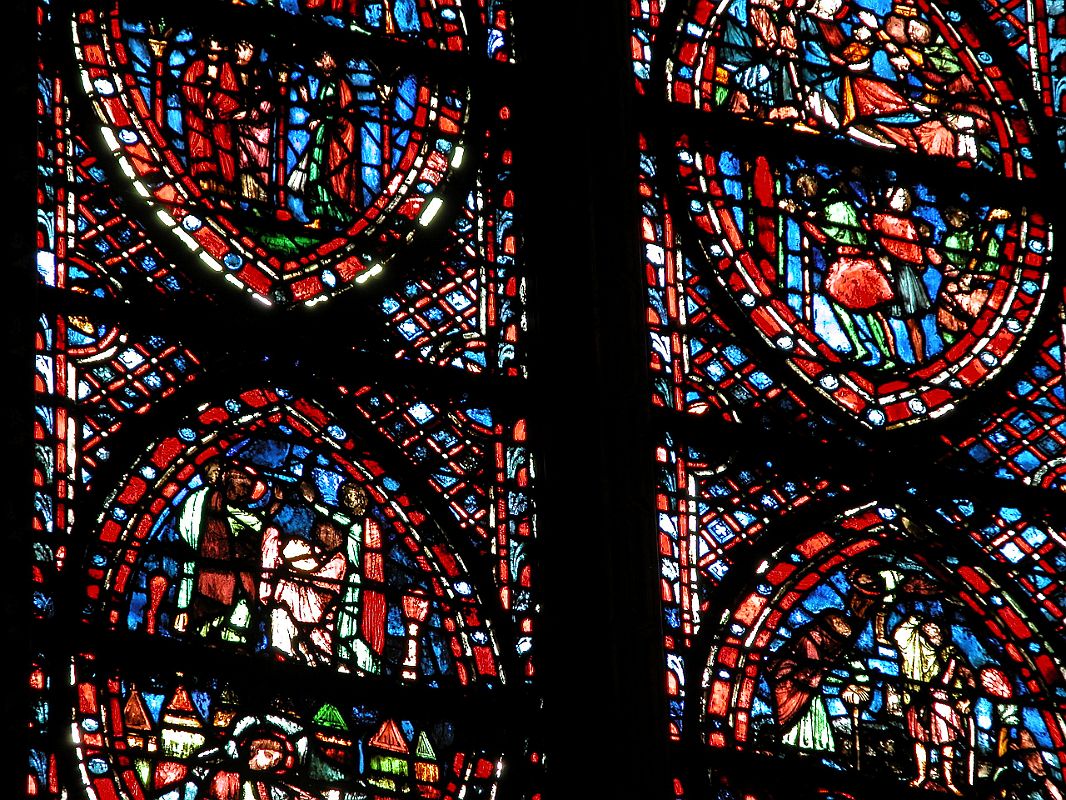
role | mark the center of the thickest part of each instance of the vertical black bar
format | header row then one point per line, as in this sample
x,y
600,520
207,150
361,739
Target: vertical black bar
x,y
18,315
601,641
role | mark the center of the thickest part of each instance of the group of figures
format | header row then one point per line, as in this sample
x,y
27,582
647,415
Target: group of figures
x,y
888,80
902,280
274,138
895,672
385,16
270,564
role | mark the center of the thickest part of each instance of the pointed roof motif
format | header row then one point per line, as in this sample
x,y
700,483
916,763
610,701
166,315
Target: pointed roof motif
x,y
135,713
424,749
181,711
330,717
389,738
181,701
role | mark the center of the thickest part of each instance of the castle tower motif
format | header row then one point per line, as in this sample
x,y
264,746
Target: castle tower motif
x,y
388,756
140,734
140,730
182,728
331,751
427,771
225,709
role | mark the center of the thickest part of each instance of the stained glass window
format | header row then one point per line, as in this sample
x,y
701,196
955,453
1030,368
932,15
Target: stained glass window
x,y
757,299
284,535
855,342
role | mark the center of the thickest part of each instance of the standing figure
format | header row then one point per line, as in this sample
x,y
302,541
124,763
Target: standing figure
x,y
906,257
328,174
955,114
212,94
352,648
796,675
300,582
254,126
971,261
220,523
855,282
820,35
768,78
936,679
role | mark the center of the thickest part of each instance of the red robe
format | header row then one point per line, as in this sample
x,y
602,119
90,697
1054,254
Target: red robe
x,y
210,103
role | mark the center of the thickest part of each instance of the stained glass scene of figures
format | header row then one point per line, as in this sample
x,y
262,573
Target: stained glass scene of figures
x,y
299,150
289,170
916,666
270,541
889,277
164,736
283,549
906,76
876,612
881,644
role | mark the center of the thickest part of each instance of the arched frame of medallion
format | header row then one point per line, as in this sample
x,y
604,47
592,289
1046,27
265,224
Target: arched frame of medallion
x,y
722,131
915,534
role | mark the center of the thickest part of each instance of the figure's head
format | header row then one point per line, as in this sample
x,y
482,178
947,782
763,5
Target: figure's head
x,y
826,9
212,471
306,490
245,52
956,217
839,624
919,31
352,497
265,753
932,633
326,62
896,28
327,536
899,198
213,48
241,485
807,185
866,580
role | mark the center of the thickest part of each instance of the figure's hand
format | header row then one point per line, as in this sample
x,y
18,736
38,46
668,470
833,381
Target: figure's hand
x,y
869,19
901,62
788,38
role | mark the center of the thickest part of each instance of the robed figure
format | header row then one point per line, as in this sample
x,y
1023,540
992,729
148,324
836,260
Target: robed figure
x,y
212,91
327,175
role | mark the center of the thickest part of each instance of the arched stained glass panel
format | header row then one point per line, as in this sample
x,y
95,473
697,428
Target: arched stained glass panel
x,y
227,141
862,649
908,77
789,154
292,540
259,525
894,298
